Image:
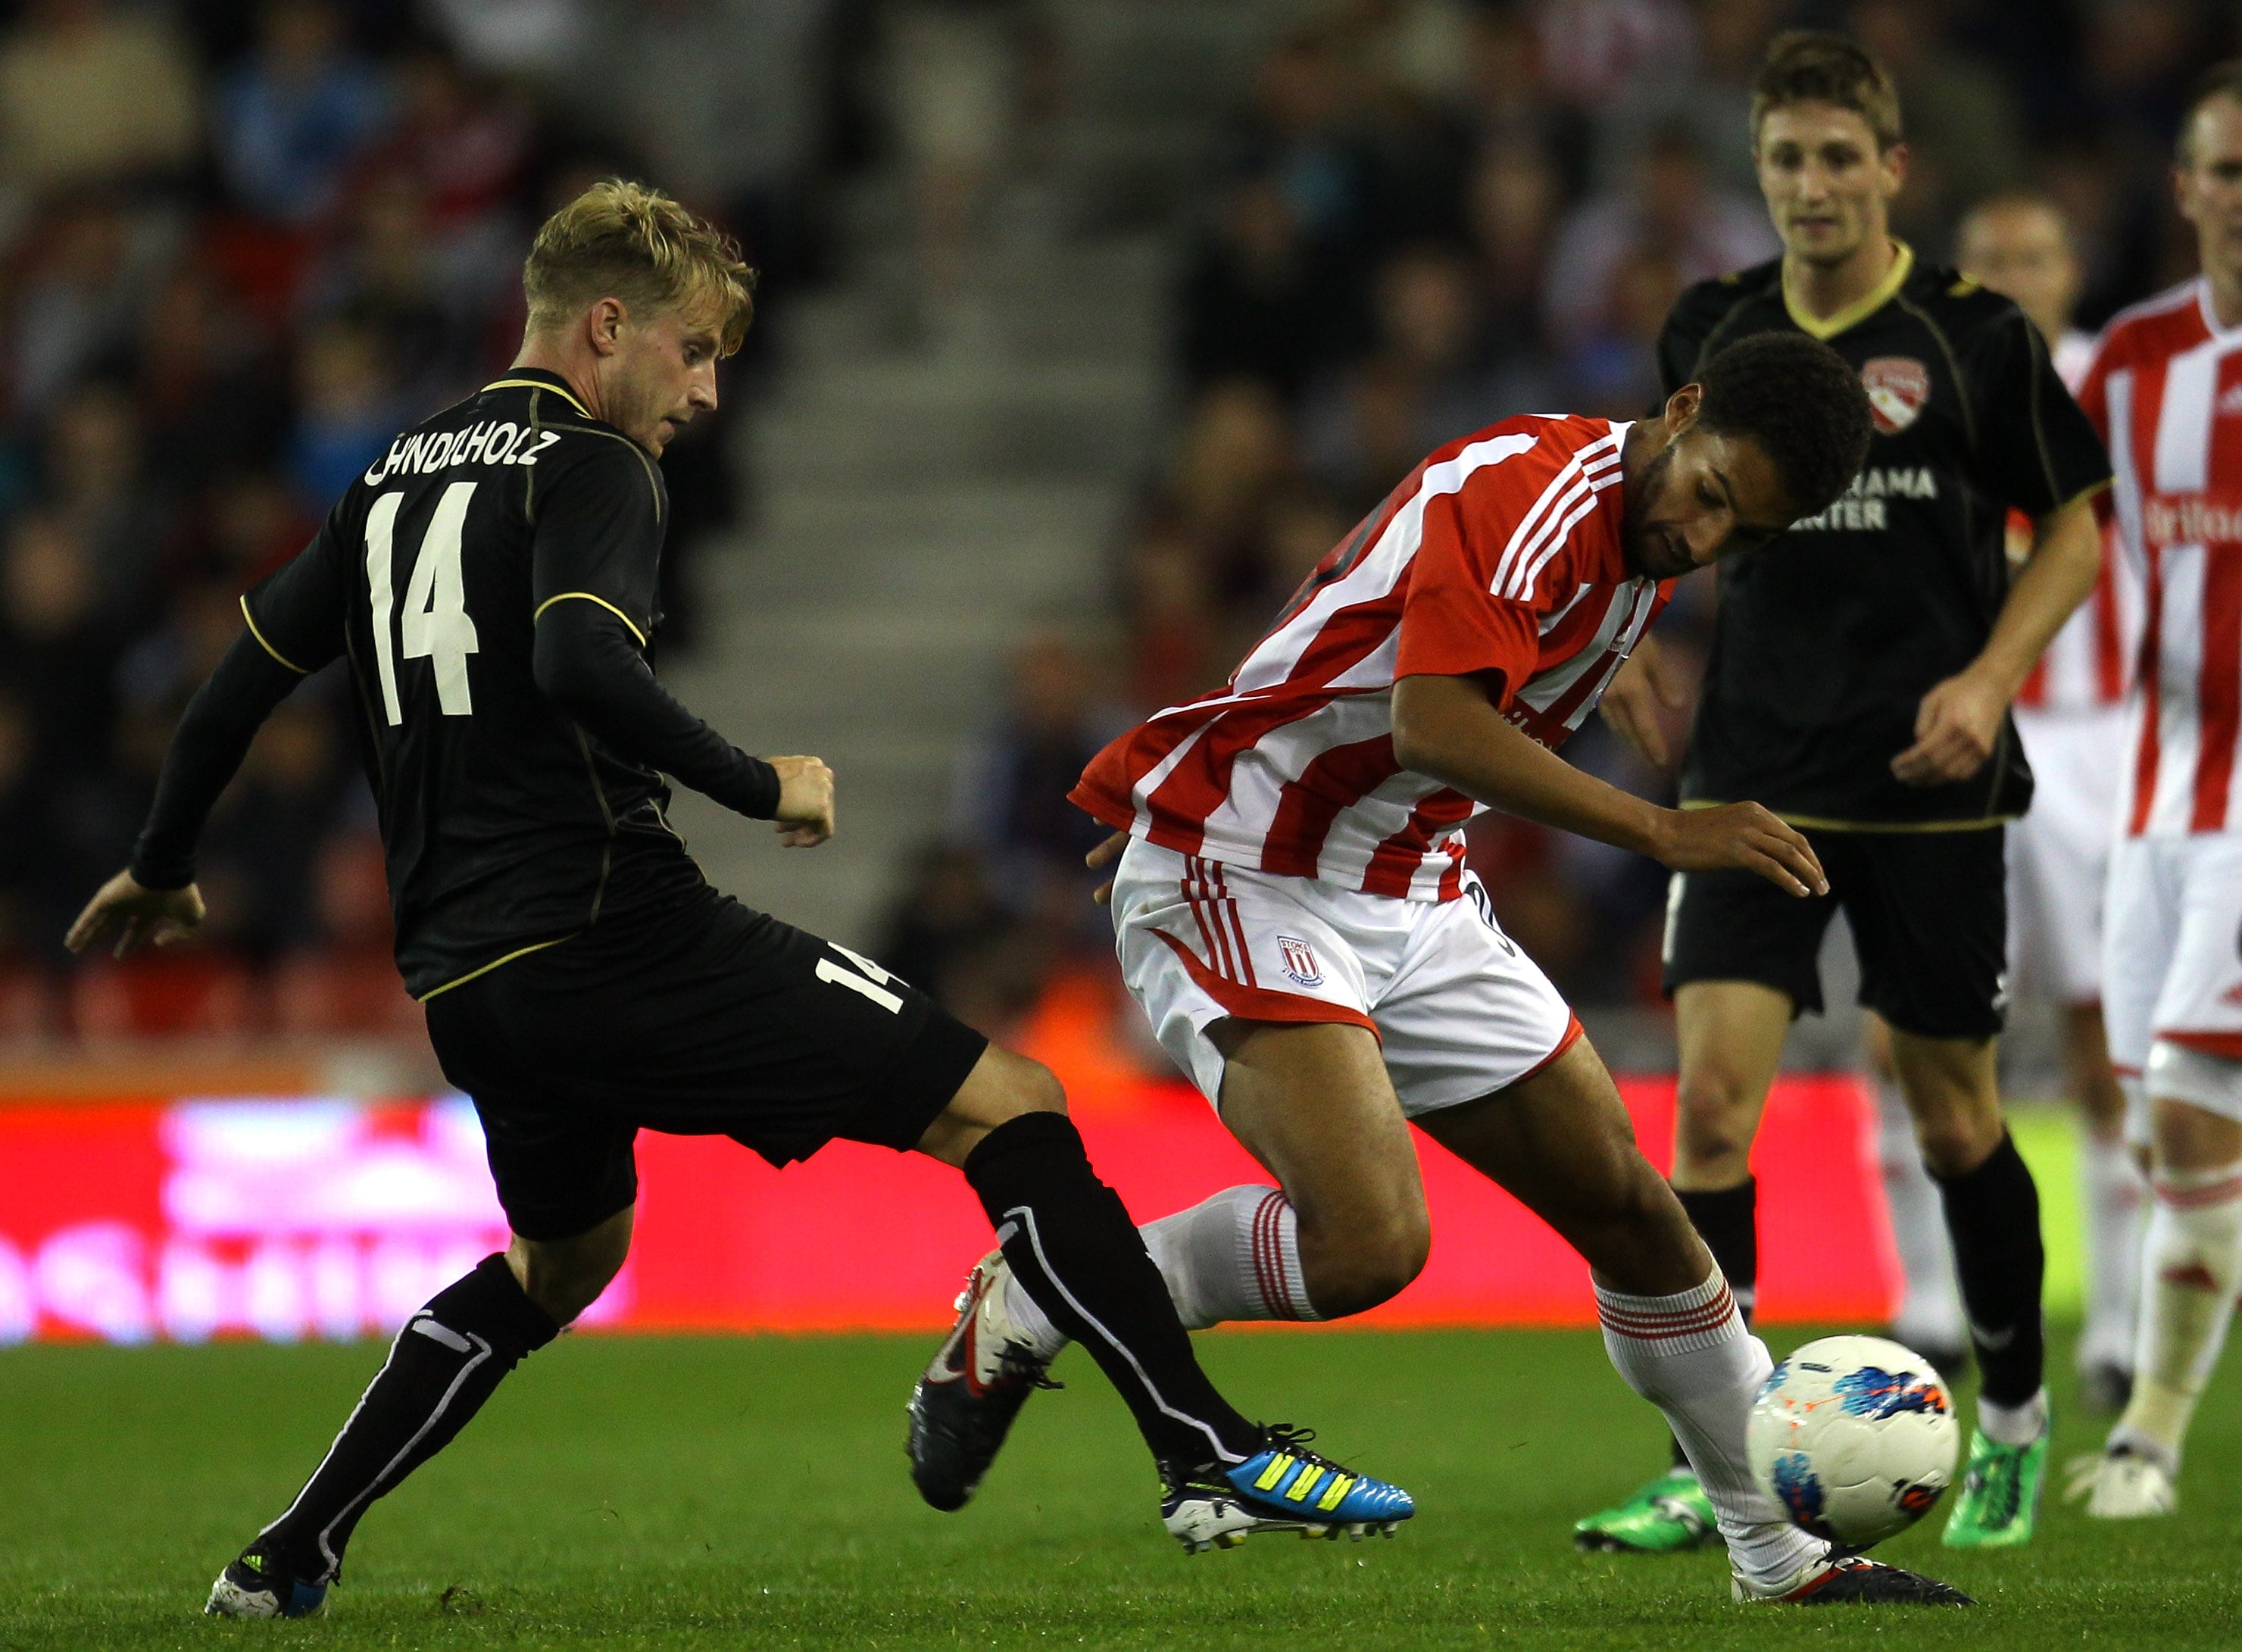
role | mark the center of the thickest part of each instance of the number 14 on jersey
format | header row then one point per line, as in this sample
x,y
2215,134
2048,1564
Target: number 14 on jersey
x,y
434,625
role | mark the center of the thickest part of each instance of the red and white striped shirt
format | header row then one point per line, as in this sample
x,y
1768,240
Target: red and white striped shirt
x,y
1500,554
2165,392
2084,669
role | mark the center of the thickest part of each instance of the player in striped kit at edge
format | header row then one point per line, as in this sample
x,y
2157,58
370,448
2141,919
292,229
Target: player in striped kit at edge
x,y
2166,388
2070,715
1292,910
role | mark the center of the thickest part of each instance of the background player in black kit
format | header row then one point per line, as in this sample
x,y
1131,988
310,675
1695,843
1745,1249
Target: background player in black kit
x,y
492,580
1859,685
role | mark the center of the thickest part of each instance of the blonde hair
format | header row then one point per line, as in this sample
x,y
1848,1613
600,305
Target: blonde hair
x,y
623,240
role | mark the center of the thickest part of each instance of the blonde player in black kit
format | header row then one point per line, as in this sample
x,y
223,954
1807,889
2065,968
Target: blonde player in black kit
x,y
491,579
1859,685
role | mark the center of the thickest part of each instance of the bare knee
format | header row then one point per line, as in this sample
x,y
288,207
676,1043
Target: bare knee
x,y
1954,1143
1956,1125
564,1277
1021,1085
2188,1137
1716,1113
1369,1262
1953,1094
1003,1086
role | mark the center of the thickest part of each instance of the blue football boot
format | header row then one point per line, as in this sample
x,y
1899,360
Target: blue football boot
x,y
255,1586
1282,1487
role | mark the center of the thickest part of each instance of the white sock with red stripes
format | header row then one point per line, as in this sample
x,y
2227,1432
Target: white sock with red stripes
x,y
2191,1258
1690,1355
1236,1256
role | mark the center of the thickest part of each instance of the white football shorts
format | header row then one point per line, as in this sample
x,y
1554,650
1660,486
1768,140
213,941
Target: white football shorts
x,y
2172,958
2059,854
1460,1009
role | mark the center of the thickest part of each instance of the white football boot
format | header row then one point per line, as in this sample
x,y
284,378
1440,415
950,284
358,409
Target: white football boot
x,y
2123,1484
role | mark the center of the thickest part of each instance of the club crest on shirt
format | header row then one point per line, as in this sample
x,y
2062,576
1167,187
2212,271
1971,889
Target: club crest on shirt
x,y
1898,387
1299,961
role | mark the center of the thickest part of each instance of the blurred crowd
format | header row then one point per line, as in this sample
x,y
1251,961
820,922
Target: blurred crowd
x,y
246,242
1428,215
243,243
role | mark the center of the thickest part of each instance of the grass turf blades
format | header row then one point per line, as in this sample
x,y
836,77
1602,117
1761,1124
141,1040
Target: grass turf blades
x,y
712,1492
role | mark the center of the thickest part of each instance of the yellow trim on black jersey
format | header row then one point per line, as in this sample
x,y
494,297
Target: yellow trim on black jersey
x,y
564,595
518,952
567,396
2083,496
268,647
1827,327
1817,823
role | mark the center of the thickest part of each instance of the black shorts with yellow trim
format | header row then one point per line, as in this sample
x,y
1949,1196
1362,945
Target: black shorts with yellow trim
x,y
711,1020
1928,910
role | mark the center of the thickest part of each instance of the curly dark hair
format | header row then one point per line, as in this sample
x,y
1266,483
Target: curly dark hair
x,y
1801,401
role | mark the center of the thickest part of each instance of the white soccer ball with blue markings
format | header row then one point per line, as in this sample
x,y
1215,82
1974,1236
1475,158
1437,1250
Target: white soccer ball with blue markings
x,y
1855,1437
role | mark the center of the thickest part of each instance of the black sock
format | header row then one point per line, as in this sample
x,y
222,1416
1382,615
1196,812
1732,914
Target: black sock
x,y
1727,1221
1069,1238
445,1363
1992,1216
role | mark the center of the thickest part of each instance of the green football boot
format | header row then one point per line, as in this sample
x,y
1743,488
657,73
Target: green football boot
x,y
1998,1506
1668,1515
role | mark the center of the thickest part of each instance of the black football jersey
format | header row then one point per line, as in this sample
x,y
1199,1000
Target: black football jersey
x,y
1827,638
506,825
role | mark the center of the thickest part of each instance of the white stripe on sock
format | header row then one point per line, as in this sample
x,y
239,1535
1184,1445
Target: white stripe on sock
x,y
482,1353
1027,1218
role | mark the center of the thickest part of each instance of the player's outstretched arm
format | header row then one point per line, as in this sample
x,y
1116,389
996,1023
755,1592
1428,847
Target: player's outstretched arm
x,y
1446,728
586,663
155,902
594,563
1959,721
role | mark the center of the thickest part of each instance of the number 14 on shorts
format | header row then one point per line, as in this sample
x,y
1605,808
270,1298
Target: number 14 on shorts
x,y
861,975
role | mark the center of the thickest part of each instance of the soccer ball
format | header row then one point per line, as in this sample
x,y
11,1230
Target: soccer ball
x,y
1855,1437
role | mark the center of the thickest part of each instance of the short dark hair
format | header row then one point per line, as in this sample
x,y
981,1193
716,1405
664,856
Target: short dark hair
x,y
1801,402
1813,66
2220,80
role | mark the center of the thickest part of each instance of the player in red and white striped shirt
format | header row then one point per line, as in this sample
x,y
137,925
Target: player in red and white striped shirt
x,y
1287,902
2165,390
1291,768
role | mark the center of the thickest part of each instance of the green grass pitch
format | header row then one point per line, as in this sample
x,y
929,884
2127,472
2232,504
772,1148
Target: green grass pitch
x,y
624,1492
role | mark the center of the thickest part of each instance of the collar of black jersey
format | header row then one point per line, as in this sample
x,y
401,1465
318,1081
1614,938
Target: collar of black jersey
x,y
1828,326
538,378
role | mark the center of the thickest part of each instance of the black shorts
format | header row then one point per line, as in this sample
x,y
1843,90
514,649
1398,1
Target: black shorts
x,y
1930,915
715,1020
